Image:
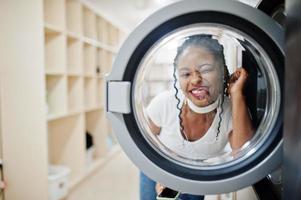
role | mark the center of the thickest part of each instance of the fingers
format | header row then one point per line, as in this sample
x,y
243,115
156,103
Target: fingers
x,y
237,81
240,74
159,188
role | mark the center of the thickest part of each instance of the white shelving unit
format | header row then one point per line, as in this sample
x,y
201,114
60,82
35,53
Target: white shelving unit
x,y
79,48
56,53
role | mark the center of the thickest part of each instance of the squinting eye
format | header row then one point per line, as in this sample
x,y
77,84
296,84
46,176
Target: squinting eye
x,y
184,75
205,70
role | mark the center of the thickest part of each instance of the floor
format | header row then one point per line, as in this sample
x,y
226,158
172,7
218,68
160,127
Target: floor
x,y
119,180
116,180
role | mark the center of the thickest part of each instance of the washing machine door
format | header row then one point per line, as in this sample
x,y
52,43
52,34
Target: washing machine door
x,y
147,90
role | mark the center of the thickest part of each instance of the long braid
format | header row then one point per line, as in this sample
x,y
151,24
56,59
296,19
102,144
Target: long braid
x,y
220,117
179,102
225,93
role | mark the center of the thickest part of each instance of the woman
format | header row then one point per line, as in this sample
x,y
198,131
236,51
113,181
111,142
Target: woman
x,y
211,115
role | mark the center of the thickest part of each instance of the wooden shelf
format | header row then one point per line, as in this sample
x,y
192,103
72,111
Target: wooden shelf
x,y
64,115
74,74
90,41
49,73
90,76
94,108
52,29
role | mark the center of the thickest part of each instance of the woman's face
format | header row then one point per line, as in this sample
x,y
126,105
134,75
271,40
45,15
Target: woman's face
x,y
199,75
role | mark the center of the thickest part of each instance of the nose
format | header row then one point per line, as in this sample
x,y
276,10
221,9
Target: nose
x,y
196,78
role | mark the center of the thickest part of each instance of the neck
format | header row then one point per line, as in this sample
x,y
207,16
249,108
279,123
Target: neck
x,y
205,109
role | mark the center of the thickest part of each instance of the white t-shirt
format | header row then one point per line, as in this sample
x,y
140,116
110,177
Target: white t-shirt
x,y
163,112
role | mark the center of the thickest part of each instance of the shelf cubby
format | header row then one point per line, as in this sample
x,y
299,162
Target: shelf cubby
x,y
75,94
105,32
90,61
110,35
74,56
66,144
115,35
74,16
89,20
56,89
104,62
55,52
96,126
90,93
50,29
100,29
54,13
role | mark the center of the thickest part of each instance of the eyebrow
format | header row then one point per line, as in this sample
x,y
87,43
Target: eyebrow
x,y
200,66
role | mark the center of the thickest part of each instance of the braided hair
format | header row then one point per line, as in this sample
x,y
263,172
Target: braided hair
x,y
204,41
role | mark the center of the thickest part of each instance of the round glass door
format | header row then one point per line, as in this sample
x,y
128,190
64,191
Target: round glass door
x,y
203,96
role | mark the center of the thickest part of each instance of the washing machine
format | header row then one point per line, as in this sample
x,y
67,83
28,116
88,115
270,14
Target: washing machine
x,y
145,68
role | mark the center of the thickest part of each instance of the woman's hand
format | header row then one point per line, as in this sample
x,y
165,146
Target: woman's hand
x,y
159,188
237,81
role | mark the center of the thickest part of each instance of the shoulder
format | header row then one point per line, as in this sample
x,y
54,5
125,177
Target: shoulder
x,y
164,98
169,94
162,108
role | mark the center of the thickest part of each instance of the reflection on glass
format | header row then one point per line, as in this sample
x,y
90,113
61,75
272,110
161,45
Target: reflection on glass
x,y
201,95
